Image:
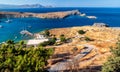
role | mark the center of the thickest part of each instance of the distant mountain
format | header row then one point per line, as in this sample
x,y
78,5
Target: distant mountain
x,y
32,6
24,6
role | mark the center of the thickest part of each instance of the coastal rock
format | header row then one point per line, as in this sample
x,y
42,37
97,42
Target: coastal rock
x,y
100,25
52,15
83,15
74,12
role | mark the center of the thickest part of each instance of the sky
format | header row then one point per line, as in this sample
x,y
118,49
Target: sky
x,y
66,3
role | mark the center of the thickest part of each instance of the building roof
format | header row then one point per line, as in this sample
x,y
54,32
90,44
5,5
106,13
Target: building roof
x,y
36,41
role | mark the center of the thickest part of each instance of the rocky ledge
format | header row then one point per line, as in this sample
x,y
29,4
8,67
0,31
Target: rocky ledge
x,y
100,25
52,15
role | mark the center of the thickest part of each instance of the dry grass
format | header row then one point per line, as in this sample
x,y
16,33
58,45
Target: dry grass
x,y
104,38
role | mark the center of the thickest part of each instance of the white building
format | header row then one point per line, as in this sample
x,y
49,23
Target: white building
x,y
40,36
36,42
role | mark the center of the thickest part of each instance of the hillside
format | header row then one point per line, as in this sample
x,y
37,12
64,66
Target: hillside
x,y
102,39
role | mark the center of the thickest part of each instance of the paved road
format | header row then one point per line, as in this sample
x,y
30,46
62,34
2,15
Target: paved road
x,y
62,65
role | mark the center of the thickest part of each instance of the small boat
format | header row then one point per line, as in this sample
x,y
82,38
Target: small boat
x,y
8,21
25,32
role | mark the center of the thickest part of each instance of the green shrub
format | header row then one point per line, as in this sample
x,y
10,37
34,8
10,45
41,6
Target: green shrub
x,y
87,39
47,33
113,62
81,32
52,41
62,38
112,65
17,59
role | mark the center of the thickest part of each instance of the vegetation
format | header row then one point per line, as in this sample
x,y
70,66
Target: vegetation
x,y
81,32
17,59
88,39
113,63
21,42
52,41
62,38
47,33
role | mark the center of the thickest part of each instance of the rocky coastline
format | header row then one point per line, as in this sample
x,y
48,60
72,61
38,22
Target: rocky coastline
x,y
52,15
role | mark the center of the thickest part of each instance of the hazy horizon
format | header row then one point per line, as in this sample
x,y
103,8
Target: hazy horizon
x,y
66,3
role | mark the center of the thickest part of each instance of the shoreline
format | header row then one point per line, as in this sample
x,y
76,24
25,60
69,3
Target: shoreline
x,y
116,28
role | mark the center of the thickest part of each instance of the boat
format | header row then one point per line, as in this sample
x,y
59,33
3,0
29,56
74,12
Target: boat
x,y
8,21
25,32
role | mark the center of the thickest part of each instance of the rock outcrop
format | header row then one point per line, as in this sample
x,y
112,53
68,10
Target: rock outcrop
x,y
52,15
100,25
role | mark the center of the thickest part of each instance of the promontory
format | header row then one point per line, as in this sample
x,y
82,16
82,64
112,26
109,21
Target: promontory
x,y
52,15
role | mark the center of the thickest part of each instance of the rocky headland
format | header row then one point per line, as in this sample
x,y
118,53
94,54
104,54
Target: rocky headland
x,y
52,15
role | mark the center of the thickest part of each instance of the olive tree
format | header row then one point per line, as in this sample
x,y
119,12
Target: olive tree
x,y
16,59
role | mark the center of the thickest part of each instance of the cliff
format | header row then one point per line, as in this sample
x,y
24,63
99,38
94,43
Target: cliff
x,y
41,15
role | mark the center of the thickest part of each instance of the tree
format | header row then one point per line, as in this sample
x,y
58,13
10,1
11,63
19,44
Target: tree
x,y
81,32
52,41
113,62
62,38
10,42
21,42
47,33
88,39
17,59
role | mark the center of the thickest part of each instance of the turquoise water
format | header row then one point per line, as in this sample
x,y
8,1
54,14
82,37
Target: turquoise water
x,y
110,16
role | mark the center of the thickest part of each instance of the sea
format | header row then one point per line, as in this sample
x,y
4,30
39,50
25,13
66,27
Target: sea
x,y
11,31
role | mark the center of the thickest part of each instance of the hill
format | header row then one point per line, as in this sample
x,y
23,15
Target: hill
x,y
98,38
4,6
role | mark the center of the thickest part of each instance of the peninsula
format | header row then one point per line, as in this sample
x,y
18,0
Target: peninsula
x,y
52,15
